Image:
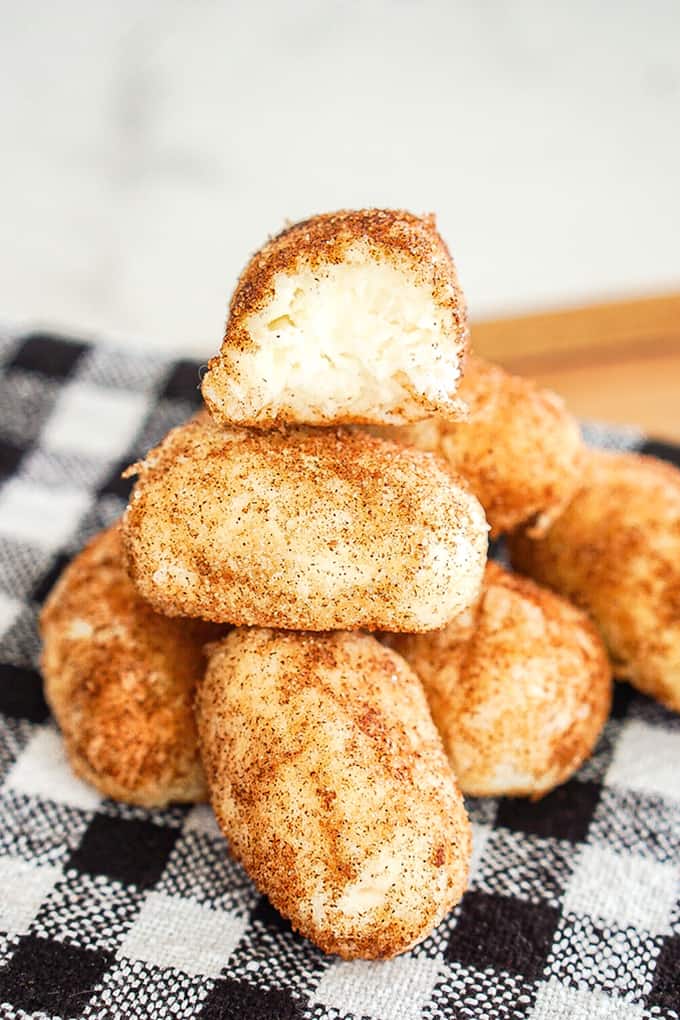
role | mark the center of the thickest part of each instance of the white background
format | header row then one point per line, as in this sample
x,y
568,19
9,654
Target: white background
x,y
148,147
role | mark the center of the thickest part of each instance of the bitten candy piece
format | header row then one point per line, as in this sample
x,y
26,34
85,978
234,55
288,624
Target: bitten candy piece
x,y
616,552
520,450
329,780
120,681
519,687
348,317
305,529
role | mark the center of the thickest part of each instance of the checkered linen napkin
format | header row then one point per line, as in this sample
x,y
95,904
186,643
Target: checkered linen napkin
x,y
108,911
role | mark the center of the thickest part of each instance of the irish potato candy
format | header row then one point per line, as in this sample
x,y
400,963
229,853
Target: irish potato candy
x,y
120,681
615,551
348,317
519,686
331,784
304,529
520,450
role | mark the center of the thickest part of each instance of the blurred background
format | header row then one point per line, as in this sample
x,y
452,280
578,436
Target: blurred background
x,y
148,147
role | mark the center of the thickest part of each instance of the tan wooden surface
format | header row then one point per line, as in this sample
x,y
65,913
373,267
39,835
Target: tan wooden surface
x,y
616,362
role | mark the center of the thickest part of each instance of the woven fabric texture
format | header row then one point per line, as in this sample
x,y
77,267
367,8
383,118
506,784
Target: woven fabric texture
x,y
108,911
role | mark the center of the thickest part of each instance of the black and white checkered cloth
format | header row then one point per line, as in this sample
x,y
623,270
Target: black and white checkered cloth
x,y
113,912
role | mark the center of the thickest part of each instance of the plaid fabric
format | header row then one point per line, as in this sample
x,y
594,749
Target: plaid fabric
x,y
109,911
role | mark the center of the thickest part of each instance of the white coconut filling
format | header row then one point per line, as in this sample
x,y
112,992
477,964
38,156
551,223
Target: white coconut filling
x,y
360,333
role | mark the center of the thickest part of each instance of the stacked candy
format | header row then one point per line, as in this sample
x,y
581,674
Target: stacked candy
x,y
215,642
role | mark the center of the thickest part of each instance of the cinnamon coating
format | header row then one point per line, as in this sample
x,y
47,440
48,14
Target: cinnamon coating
x,y
348,317
519,687
520,450
615,551
120,681
302,529
329,780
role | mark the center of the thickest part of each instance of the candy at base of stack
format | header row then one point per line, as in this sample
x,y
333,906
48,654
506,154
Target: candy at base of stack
x,y
330,782
615,551
120,681
519,687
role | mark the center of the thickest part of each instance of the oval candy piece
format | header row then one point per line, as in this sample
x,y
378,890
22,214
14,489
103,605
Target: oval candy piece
x,y
330,782
302,529
519,687
120,681
519,450
615,551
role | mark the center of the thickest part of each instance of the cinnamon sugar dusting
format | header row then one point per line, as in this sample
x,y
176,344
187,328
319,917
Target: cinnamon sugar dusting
x,y
389,234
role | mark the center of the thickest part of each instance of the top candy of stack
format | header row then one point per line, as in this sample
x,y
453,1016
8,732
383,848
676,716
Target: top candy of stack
x,y
346,318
